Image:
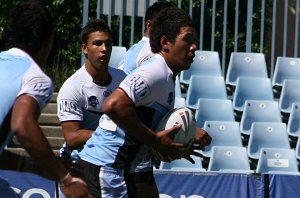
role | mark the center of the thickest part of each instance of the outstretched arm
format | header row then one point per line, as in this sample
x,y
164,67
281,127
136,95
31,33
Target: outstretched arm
x,y
24,125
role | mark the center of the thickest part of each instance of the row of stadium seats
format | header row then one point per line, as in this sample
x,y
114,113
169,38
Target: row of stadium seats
x,y
234,159
245,110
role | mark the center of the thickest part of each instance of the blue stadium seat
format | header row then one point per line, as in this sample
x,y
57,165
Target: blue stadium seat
x,y
276,160
267,135
293,125
245,64
209,87
286,68
213,109
251,89
116,56
223,133
297,149
183,165
179,102
259,111
290,93
205,63
229,159
177,88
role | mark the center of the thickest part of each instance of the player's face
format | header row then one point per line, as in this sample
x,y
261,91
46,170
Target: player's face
x,y
98,48
182,51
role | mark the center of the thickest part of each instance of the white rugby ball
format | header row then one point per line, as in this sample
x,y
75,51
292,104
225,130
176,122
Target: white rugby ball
x,y
186,134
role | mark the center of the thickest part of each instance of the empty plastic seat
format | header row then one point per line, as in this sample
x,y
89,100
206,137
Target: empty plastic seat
x,y
223,134
205,87
297,149
277,160
177,88
179,102
213,109
286,68
267,135
183,165
251,89
293,125
290,93
116,56
245,64
229,159
205,63
259,111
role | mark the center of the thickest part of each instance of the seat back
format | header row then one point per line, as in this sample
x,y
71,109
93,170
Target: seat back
x,y
229,158
213,109
277,160
223,133
267,135
117,54
209,87
205,63
245,64
290,93
183,165
286,68
251,89
293,125
259,111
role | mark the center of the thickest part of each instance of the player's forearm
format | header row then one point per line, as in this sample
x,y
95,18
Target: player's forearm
x,y
77,139
40,150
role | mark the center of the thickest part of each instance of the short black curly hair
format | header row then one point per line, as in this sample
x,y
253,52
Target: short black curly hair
x,y
168,23
94,25
29,26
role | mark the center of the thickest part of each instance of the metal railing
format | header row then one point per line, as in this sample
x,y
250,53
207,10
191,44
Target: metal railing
x,y
224,25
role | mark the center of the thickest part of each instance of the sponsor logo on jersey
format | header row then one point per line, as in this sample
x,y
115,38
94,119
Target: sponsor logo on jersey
x,y
140,87
69,107
93,101
107,93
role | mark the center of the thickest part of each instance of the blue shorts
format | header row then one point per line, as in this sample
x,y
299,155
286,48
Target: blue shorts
x,y
106,181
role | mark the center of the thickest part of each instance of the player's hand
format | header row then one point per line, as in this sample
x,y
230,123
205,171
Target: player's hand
x,y
202,139
166,146
75,188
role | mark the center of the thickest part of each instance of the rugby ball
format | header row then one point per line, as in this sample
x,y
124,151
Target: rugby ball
x,y
185,135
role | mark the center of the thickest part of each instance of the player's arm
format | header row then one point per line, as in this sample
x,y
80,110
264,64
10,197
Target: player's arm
x,y
74,134
24,125
202,139
120,108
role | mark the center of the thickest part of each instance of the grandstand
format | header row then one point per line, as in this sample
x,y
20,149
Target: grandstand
x,y
230,181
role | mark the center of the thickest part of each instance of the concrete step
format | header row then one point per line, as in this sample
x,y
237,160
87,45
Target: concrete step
x,y
51,108
54,97
49,119
52,131
55,142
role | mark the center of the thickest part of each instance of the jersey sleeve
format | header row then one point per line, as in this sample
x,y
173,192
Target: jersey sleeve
x,y
38,85
69,103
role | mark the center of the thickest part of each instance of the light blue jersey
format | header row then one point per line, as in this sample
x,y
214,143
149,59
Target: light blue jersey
x,y
151,88
136,55
19,75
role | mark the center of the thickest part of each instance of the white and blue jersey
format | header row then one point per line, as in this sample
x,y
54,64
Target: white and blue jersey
x,y
80,99
151,88
19,75
136,55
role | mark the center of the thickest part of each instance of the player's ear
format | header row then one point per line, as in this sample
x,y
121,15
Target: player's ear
x,y
84,48
164,42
